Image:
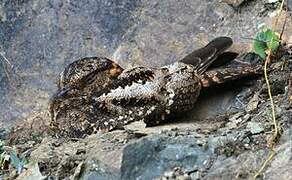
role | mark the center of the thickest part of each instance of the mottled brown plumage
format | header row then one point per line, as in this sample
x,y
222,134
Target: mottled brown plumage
x,y
97,94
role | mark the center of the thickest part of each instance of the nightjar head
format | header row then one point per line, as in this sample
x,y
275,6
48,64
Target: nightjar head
x,y
79,80
86,71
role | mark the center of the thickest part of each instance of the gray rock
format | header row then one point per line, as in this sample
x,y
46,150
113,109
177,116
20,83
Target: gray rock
x,y
95,157
33,172
281,166
253,103
94,169
255,127
151,156
272,1
234,3
290,5
3,17
242,166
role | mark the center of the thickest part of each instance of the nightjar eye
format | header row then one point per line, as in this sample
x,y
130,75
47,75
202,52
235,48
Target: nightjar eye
x,y
104,64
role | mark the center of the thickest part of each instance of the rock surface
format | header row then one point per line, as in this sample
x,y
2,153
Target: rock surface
x,y
153,155
224,137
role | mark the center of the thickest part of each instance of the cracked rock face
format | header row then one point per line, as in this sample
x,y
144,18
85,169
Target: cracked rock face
x,y
152,156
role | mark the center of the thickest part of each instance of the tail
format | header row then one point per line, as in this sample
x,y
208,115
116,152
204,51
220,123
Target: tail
x,y
220,76
202,58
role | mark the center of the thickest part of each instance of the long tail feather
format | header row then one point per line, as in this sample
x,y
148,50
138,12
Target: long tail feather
x,y
220,76
202,58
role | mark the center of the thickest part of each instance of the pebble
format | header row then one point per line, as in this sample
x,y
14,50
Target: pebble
x,y
233,3
255,127
272,1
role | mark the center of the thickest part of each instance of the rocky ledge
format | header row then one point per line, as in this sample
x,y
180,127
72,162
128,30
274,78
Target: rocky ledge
x,y
224,137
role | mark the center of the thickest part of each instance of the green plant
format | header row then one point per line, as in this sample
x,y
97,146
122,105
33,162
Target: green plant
x,y
265,40
270,44
17,161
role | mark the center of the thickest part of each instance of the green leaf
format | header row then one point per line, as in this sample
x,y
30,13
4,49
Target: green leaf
x,y
272,40
16,162
14,159
266,39
259,48
23,159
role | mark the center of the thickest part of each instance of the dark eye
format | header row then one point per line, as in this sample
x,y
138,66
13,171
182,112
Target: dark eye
x,y
104,64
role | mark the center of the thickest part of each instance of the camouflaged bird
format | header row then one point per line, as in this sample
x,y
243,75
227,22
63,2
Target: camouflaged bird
x,y
96,94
